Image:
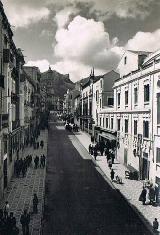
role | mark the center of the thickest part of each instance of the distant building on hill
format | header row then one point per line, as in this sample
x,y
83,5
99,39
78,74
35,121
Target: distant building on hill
x,y
56,85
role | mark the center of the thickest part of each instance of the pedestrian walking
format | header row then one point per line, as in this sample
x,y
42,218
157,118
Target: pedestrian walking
x,y
35,203
143,195
110,163
11,223
25,220
43,160
6,208
92,148
101,150
5,221
155,225
112,174
37,145
36,162
95,153
42,144
2,223
112,157
92,139
89,148
152,195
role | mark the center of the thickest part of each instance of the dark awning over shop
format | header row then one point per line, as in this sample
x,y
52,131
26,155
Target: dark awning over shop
x,y
108,136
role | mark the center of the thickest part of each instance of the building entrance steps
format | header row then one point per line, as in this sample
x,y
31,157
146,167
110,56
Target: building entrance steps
x,y
130,189
20,191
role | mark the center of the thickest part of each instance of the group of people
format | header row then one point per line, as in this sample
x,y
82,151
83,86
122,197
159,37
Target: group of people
x,y
21,166
38,144
152,192
95,148
71,127
39,161
8,224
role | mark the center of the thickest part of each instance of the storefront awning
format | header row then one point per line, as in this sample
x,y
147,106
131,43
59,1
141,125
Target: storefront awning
x,y
108,136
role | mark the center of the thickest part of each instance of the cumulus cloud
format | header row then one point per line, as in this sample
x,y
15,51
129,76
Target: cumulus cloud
x,y
23,15
123,9
43,65
83,44
63,16
146,41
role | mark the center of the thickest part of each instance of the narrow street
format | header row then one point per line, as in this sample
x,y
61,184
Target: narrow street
x,y
78,200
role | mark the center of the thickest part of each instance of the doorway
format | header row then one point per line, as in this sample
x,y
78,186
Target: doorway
x,y
5,181
125,156
145,167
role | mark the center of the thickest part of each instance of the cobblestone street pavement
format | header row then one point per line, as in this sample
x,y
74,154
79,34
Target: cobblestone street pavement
x,y
130,189
20,191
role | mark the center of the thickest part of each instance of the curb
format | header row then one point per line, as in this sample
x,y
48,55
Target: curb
x,y
103,174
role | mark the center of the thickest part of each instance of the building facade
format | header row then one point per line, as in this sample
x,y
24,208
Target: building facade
x,y
136,113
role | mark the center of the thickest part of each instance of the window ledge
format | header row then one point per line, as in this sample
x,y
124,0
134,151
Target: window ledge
x,y
146,102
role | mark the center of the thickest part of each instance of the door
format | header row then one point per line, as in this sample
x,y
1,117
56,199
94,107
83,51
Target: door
x,y
5,173
145,167
125,156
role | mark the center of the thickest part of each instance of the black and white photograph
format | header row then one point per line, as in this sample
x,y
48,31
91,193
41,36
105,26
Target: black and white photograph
x,y
79,117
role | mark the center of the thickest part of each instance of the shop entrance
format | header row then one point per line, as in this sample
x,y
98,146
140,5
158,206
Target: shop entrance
x,y
145,167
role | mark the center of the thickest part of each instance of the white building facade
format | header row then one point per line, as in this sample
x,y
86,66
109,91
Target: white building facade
x,y
136,114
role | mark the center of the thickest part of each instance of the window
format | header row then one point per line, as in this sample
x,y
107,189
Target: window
x,y
135,95
125,60
158,155
97,95
106,122
146,93
126,97
135,127
110,101
118,124
101,83
111,123
126,126
100,121
118,99
145,129
100,103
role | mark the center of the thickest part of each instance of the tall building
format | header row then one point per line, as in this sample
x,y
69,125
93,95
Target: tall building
x,y
12,61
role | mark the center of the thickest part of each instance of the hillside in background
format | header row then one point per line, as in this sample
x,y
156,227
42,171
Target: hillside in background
x,y
60,83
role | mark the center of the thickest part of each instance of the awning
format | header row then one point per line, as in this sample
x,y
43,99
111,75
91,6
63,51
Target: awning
x,y
108,136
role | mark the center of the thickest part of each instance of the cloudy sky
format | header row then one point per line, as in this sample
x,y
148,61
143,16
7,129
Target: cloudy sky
x,y
75,35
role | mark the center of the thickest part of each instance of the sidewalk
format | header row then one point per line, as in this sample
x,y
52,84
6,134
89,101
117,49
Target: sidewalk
x,y
130,189
20,191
